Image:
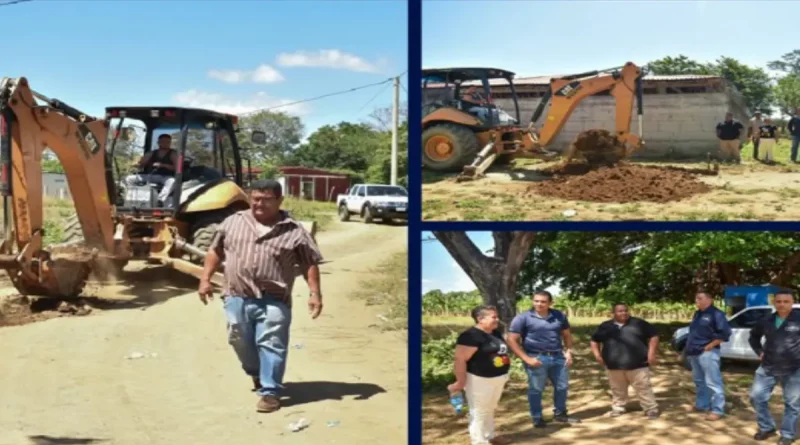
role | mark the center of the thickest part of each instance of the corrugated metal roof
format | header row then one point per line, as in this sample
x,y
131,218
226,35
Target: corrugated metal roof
x,y
545,80
650,76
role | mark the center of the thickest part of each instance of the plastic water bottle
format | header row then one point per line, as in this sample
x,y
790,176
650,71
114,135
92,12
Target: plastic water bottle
x,y
457,400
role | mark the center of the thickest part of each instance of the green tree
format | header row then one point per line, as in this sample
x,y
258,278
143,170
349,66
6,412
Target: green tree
x,y
345,146
789,63
380,167
753,83
50,163
787,93
284,133
658,266
679,65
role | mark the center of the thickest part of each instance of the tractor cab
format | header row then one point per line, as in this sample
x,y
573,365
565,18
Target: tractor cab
x,y
160,159
467,90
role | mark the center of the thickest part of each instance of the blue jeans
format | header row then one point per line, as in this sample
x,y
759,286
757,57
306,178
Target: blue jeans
x,y
707,376
760,393
258,330
795,145
553,368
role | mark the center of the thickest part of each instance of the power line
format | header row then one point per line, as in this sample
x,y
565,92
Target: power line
x,y
373,97
322,96
404,88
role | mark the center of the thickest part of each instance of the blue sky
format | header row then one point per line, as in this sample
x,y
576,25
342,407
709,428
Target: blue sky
x,y
566,37
440,271
233,56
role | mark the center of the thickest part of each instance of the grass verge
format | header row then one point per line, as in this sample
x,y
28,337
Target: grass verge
x,y
388,289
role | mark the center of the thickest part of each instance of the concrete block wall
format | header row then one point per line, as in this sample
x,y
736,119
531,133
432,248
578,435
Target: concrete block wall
x,y
680,126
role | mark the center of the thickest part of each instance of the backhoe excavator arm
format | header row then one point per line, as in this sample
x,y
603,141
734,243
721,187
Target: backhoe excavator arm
x,y
26,129
567,92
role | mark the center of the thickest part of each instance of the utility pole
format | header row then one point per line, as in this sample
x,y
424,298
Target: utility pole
x,y
395,125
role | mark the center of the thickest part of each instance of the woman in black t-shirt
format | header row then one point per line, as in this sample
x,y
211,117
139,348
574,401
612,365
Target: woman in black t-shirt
x,y
481,367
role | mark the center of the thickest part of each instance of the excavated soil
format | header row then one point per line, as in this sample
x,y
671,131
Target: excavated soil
x,y
18,310
603,178
620,184
598,147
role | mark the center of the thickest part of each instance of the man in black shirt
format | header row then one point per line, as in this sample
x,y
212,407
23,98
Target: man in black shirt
x,y
780,363
158,167
629,348
794,129
729,133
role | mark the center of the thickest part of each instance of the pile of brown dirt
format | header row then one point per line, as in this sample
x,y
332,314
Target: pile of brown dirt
x,y
19,310
597,147
619,184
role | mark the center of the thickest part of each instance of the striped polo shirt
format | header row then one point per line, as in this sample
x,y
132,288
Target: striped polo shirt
x,y
260,261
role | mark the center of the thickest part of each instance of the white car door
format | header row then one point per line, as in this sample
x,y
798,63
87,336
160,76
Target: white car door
x,y
739,345
356,199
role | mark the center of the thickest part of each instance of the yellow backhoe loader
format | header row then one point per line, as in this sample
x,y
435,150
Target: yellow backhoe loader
x,y
116,220
466,130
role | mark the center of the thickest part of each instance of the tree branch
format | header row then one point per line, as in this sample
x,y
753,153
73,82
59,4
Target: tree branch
x,y
466,254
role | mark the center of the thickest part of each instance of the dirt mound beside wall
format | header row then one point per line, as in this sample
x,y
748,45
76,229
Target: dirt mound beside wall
x,y
618,184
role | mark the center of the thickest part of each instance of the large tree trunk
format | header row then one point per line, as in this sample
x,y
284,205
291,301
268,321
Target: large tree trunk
x,y
495,276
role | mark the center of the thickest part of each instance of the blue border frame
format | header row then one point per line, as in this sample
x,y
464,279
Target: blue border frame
x,y
414,222
416,226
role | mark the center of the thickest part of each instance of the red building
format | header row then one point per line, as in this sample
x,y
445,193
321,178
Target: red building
x,y
311,183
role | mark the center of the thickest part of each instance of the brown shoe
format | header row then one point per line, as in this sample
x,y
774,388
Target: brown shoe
x,y
500,440
268,404
712,417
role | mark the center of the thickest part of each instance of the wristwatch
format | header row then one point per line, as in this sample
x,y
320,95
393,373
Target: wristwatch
x,y
314,294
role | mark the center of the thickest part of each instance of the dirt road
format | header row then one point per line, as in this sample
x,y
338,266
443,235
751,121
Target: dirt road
x,y
71,380
589,400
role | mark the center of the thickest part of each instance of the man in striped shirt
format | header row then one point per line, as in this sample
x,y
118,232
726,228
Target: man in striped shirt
x,y
261,247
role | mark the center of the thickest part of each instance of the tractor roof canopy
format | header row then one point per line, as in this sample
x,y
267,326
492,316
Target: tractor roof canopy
x,y
458,75
167,114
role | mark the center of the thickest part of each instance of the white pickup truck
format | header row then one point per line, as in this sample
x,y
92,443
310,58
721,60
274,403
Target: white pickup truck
x,y
374,201
738,346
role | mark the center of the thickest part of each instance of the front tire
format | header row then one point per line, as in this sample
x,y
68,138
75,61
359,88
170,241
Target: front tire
x,y
344,214
448,147
368,217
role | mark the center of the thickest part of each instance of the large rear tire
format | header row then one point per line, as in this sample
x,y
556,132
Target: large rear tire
x,y
72,231
203,232
448,147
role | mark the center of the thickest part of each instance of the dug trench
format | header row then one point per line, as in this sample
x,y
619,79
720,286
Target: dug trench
x,y
604,177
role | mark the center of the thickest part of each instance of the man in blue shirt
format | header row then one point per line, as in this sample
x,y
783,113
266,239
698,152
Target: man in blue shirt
x,y
780,363
538,337
794,129
708,330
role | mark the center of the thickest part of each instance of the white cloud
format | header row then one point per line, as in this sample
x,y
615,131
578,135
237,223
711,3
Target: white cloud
x,y
262,74
459,280
329,58
234,105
